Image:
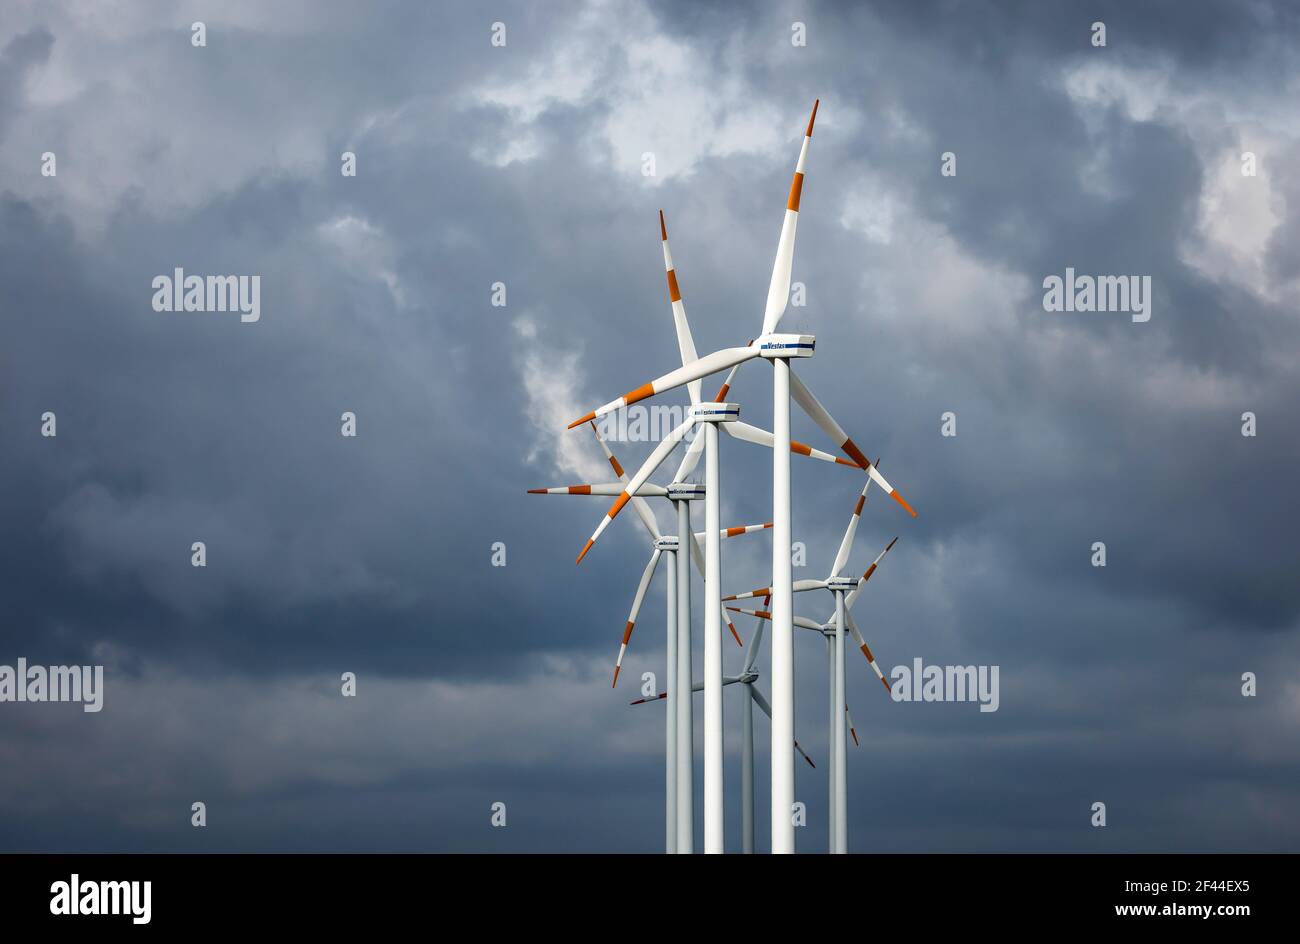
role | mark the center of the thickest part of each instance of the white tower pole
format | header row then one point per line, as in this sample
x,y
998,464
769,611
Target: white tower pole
x,y
831,757
684,681
840,746
713,753
670,725
747,771
782,618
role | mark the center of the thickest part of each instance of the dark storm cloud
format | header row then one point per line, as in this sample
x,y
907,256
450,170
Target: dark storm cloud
x,y
480,164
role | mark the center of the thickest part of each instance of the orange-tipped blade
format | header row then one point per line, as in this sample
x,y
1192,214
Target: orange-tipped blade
x,y
761,591
586,419
903,501
805,755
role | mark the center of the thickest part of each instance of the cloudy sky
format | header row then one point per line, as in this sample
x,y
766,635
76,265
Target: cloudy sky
x,y
523,164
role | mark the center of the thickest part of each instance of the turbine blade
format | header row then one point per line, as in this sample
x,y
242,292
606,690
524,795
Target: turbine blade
x,y
799,621
697,556
726,384
766,591
805,755
641,506
691,459
846,545
778,291
646,514
685,343
761,437
647,469
862,581
812,406
604,488
708,364
760,592
614,463
646,576
697,687
734,532
852,729
808,584
746,529
752,655
767,710
866,650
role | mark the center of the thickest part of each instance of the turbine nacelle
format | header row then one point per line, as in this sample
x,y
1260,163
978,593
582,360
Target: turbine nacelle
x,y
667,543
786,345
715,412
842,584
685,491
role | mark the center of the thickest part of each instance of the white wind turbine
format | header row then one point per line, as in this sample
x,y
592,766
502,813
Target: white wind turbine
x,y
679,728
845,591
708,415
779,349
747,679
837,783
836,762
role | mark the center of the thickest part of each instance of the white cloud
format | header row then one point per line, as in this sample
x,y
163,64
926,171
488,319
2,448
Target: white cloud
x,y
551,380
662,95
364,250
919,274
128,105
1237,214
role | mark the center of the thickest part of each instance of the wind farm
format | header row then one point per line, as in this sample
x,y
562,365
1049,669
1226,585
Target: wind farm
x,y
482,451
700,429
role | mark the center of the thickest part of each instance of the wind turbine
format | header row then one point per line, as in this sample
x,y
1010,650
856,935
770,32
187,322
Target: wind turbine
x,y
679,727
747,679
836,762
779,349
845,590
708,415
